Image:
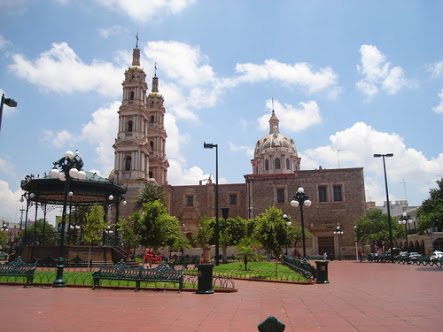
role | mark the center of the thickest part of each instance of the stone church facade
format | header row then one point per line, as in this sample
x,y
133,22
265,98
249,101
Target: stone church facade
x,y
337,195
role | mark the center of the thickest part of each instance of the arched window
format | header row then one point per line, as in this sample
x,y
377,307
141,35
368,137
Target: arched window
x,y
266,165
288,164
152,119
151,143
128,163
130,126
277,163
131,95
151,175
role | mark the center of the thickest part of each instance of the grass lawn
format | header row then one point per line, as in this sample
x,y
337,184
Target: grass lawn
x,y
257,270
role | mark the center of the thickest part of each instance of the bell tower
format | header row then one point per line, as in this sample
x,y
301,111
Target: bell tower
x,y
158,164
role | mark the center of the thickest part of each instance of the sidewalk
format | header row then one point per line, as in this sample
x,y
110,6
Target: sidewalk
x,y
360,297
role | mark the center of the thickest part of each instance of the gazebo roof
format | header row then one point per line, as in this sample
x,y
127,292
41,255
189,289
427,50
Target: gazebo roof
x,y
94,189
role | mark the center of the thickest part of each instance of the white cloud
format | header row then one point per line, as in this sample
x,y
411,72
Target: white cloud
x,y
7,168
378,74
439,108
61,70
300,74
436,69
355,146
292,119
111,31
179,176
143,11
101,132
9,201
242,148
58,139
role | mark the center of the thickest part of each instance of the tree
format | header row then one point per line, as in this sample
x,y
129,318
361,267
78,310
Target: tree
x,y
374,228
430,213
3,238
95,225
40,232
247,250
272,231
149,193
205,232
181,244
153,226
127,233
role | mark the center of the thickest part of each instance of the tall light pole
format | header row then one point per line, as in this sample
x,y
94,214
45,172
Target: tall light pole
x,y
8,102
300,198
288,223
386,155
71,165
339,232
217,230
405,219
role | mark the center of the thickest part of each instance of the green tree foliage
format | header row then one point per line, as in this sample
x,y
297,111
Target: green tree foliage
x,y
205,232
247,251
181,244
149,193
430,213
153,226
374,228
127,233
40,232
95,225
3,238
272,231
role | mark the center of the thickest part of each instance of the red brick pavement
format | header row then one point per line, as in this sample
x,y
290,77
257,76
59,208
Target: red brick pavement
x,y
360,297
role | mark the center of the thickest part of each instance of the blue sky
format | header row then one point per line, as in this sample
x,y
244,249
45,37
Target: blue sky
x,y
348,79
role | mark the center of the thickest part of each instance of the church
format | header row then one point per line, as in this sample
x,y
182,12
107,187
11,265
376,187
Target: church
x,y
337,195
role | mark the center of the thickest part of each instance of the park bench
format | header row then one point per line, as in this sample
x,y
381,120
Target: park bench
x,y
121,271
301,266
18,268
184,261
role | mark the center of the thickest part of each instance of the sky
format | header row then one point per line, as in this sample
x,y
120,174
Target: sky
x,y
347,78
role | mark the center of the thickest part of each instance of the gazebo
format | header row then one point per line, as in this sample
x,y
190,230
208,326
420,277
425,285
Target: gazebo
x,y
73,187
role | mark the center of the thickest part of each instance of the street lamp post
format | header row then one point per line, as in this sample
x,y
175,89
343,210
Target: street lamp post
x,y
117,214
5,227
71,165
386,155
405,219
8,102
26,196
300,198
217,230
339,232
288,223
108,231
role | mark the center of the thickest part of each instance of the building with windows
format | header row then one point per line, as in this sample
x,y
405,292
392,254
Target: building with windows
x,y
337,195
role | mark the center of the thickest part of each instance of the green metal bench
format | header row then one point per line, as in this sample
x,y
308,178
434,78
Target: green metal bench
x,y
121,271
18,268
185,260
301,266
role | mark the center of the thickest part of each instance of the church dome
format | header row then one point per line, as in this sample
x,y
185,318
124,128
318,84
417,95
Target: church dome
x,y
274,141
275,153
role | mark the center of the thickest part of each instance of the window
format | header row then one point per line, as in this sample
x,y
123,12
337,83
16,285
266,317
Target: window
x,y
232,199
130,126
322,195
189,200
266,165
151,143
151,119
280,195
337,193
128,164
277,163
131,95
288,164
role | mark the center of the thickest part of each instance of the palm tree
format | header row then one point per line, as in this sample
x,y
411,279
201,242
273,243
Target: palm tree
x,y
181,244
247,251
149,193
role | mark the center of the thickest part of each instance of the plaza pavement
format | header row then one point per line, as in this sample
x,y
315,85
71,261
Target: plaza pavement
x,y
360,297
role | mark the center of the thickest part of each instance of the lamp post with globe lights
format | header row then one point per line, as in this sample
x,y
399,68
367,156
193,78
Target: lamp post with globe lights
x,y
404,220
288,223
26,196
301,199
339,232
71,168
